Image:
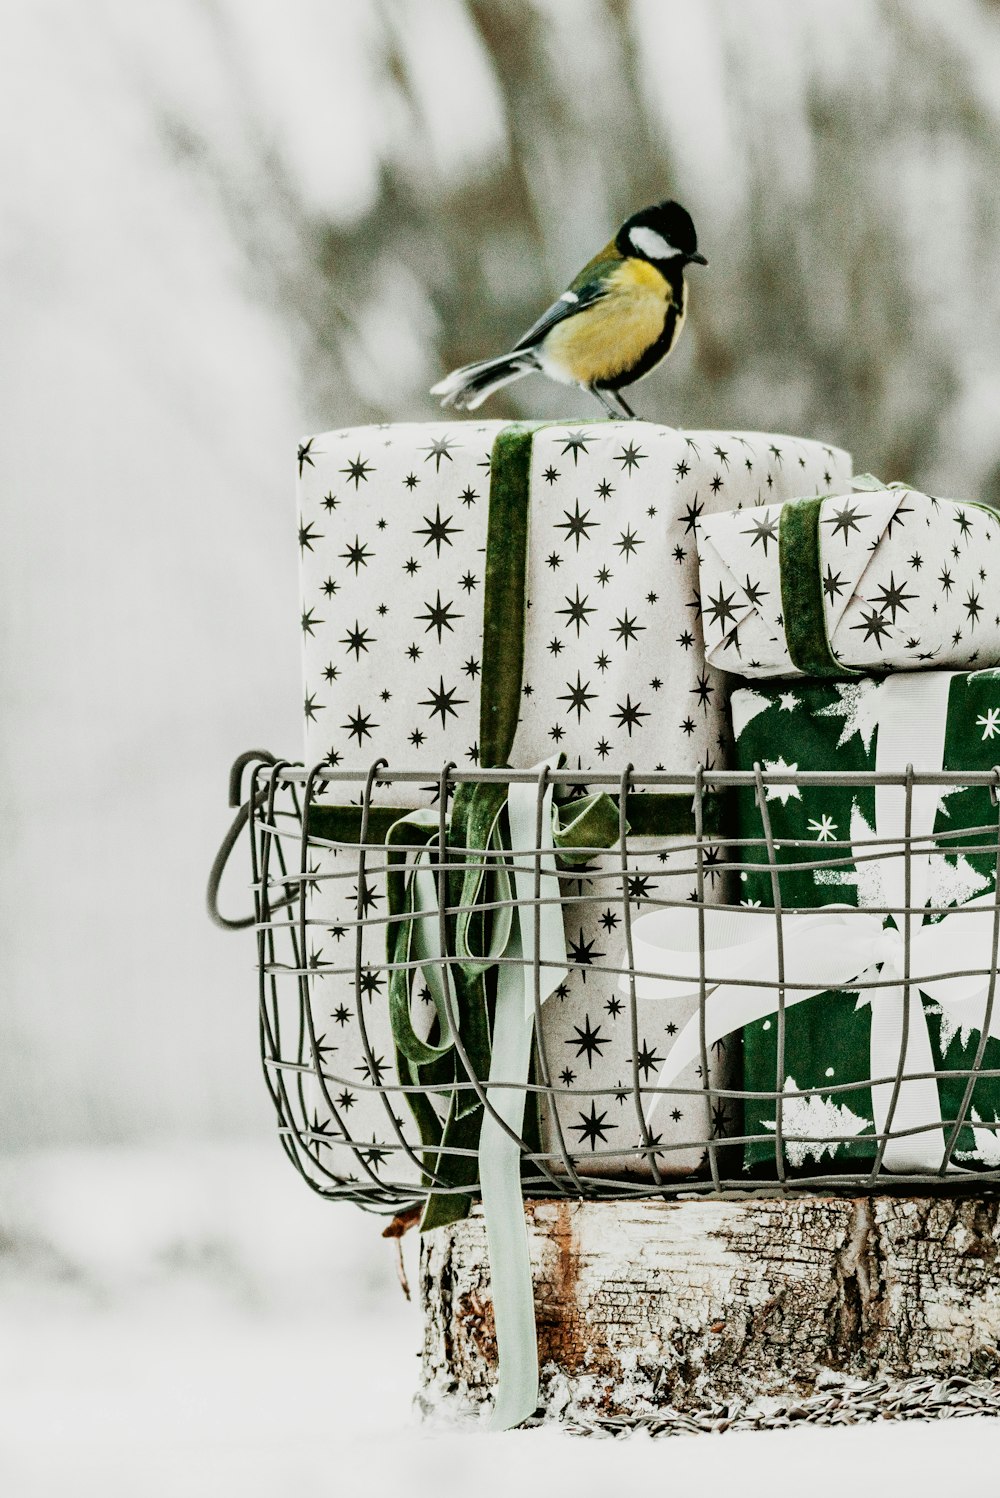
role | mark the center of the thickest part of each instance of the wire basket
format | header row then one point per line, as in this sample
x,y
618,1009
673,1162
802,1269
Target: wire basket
x,y
361,1122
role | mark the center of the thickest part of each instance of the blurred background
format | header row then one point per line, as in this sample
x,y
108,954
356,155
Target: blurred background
x,y
227,223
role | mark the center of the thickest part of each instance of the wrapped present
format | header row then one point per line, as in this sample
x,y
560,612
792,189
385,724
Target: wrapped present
x,y
568,555
844,1047
884,579
494,595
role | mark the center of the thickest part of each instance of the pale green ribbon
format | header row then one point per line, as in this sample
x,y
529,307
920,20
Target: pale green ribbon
x,y
528,923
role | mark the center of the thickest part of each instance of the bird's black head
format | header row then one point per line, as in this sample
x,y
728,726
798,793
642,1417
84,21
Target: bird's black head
x,y
662,233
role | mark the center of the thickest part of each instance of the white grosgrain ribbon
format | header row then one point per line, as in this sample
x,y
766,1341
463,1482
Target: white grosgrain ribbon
x,y
840,948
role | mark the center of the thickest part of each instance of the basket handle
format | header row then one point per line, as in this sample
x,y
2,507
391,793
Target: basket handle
x,y
249,757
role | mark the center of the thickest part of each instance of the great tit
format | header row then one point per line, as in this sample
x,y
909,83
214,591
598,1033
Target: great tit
x,y
618,319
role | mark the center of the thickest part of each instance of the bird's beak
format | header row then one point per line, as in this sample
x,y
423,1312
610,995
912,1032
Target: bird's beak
x,y
697,260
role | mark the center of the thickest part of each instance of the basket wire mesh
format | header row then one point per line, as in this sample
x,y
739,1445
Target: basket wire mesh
x,y
313,1095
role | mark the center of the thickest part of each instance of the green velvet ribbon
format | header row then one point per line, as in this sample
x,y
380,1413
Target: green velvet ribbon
x,y
802,591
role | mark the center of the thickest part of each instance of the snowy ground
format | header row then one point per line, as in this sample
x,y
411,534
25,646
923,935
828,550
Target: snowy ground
x,y
191,1321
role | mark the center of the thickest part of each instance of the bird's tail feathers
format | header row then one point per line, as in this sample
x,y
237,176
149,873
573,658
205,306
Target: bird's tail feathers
x,y
468,387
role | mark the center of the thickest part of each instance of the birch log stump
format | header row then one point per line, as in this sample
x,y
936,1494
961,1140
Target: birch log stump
x,y
720,1312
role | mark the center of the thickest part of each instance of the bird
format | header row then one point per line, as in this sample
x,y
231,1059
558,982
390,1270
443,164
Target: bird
x,y
614,324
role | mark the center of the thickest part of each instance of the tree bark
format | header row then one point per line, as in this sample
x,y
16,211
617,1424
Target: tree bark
x,y
723,1306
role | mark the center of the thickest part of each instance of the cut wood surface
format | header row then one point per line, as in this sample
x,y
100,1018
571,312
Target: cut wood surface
x,y
716,1305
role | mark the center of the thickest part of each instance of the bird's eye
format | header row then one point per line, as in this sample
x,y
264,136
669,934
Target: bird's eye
x,y
648,242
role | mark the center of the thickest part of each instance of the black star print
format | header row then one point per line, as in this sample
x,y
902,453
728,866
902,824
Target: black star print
x,y
754,592
629,714
764,529
603,748
688,726
305,454
722,456
341,1014
411,481
846,519
369,897
681,469
873,625
356,556
468,496
579,697
443,701
685,639
592,1127
892,597
307,535
576,525
630,457
603,577
330,502
588,1042
414,652
691,514
439,616
614,1007
640,886
375,1072
360,725
567,1077
556,733
720,609
647,1060
676,1115
439,531
626,628
656,684
627,543
308,622
417,738
963,522
357,639
471,667
330,587
609,920
550,475
311,707
577,611
358,470
555,646
603,661
833,583
716,483
330,671
441,448
318,1130
575,444
553,560
973,607
582,952
946,580
346,1100
604,489
703,690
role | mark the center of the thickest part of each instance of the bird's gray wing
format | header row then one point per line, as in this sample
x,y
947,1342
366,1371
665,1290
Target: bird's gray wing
x,y
569,303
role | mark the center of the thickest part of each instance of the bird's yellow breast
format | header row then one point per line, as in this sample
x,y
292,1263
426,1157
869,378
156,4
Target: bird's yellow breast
x,y
609,338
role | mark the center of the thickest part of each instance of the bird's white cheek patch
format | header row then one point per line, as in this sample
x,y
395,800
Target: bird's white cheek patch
x,y
648,242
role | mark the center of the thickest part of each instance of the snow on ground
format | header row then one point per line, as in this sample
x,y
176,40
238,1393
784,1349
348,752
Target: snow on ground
x,y
190,1321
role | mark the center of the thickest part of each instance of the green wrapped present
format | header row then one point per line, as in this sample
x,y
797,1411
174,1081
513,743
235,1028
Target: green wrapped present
x,y
838,1043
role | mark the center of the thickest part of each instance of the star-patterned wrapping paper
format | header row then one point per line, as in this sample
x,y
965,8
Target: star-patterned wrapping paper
x,y
392,532
585,1034
906,582
392,535
835,726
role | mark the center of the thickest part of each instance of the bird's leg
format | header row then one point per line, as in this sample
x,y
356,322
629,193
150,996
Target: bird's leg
x,y
624,405
604,401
